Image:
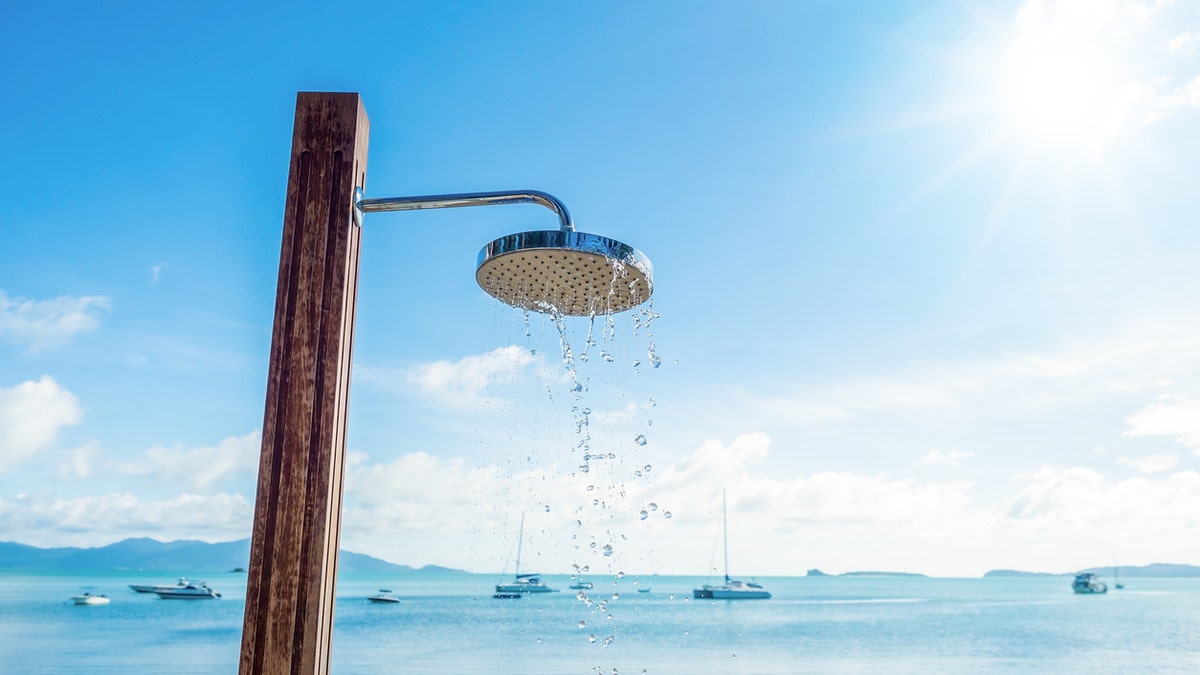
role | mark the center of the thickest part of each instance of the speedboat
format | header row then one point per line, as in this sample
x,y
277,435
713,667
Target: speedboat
x,y
582,586
89,599
154,589
1087,583
732,589
384,595
194,590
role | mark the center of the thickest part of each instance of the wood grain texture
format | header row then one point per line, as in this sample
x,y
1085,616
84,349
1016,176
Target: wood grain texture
x,y
288,622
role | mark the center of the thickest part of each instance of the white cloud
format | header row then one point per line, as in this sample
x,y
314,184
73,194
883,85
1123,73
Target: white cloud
x,y
203,467
31,415
43,520
948,457
1175,417
156,271
1184,42
78,463
462,383
1151,463
39,325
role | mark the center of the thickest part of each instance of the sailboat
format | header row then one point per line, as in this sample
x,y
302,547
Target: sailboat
x,y
732,589
522,583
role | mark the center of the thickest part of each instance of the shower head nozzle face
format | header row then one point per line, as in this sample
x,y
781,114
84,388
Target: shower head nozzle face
x,y
571,273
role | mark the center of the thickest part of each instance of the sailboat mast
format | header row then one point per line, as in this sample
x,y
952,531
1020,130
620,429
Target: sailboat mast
x,y
520,540
725,534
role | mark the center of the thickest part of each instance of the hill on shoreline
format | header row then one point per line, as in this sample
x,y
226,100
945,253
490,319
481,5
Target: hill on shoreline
x,y
145,554
1153,570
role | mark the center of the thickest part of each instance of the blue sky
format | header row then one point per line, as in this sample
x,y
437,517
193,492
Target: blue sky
x,y
925,280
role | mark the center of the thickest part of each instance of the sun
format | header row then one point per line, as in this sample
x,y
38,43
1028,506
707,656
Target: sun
x,y
1060,85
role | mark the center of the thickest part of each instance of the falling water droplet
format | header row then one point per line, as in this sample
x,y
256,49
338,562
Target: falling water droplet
x,y
641,439
666,514
620,575
592,638
653,403
653,506
643,515
608,641
607,550
582,623
647,468
608,358
584,357
547,508
616,596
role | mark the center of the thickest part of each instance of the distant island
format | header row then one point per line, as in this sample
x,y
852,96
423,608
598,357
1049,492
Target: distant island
x,y
151,555
818,573
1152,570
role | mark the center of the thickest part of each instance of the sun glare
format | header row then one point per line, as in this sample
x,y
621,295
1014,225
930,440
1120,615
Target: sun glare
x,y
1062,87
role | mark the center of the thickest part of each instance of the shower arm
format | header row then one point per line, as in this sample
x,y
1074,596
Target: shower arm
x,y
449,201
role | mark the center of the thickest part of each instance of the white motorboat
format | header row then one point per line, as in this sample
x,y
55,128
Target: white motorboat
x,y
732,589
89,599
383,596
582,585
523,583
1087,583
193,590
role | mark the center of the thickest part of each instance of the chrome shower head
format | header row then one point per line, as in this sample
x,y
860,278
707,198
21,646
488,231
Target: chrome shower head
x,y
564,271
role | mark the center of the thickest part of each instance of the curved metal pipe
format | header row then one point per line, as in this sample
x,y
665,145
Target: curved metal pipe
x,y
466,199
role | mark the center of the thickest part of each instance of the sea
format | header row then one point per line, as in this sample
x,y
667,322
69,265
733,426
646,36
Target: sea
x,y
449,623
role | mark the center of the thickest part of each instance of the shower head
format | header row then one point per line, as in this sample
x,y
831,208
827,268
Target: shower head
x,y
565,272
552,271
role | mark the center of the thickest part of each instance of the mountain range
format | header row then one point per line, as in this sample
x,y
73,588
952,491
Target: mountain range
x,y
1152,570
174,556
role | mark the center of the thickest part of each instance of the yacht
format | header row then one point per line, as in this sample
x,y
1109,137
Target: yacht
x,y
522,583
582,585
89,599
383,596
194,590
732,589
1087,583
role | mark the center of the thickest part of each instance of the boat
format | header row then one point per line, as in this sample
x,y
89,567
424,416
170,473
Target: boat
x,y
1087,583
523,583
152,589
383,596
1117,578
89,599
582,586
193,590
732,589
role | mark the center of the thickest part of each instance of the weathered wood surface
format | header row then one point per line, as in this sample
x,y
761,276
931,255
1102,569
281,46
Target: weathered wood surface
x,y
288,623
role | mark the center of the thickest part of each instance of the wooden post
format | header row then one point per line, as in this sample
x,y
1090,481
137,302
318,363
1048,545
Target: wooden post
x,y
288,624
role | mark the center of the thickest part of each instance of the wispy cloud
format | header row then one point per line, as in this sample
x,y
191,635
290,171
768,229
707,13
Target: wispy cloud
x,y
40,325
1176,417
156,271
44,520
1151,463
31,415
460,384
203,467
947,457
1184,42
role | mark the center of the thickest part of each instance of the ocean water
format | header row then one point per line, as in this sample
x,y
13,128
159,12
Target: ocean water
x,y
451,624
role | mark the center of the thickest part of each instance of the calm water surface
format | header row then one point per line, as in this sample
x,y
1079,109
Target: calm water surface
x,y
450,624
